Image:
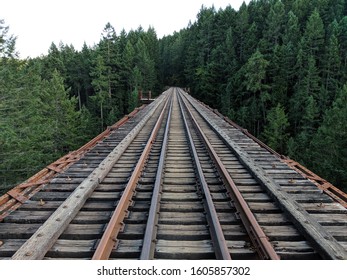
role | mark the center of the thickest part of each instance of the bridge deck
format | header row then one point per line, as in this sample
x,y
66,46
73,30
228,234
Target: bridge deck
x,y
174,180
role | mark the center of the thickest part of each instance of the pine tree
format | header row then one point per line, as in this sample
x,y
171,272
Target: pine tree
x,y
299,147
275,132
146,66
342,40
313,38
254,81
331,72
331,141
308,85
53,61
292,30
61,116
7,42
241,30
275,24
255,72
279,73
101,86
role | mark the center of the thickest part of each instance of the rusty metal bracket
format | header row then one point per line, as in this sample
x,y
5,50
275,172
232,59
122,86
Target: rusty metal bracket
x,y
17,196
54,168
321,183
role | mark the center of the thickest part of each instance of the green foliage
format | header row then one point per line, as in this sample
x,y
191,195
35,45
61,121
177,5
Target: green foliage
x,y
55,103
38,121
7,42
255,73
330,142
275,132
61,118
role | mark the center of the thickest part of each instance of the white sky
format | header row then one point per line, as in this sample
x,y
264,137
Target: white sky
x,y
38,23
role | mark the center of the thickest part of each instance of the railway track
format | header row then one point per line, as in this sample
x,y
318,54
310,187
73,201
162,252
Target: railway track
x,y
177,183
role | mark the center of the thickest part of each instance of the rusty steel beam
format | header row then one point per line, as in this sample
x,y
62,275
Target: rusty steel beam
x,y
147,251
217,235
109,238
321,183
9,203
255,232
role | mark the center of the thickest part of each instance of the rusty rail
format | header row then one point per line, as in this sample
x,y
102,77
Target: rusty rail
x,y
147,251
255,232
15,197
218,239
109,238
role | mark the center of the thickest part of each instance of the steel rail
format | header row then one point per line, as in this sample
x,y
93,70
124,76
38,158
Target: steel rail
x,y
109,238
217,235
255,232
147,251
324,242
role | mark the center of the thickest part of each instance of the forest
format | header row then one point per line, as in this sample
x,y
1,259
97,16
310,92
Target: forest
x,y
276,67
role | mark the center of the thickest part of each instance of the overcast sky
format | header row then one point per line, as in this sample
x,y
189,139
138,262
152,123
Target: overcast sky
x,y
38,23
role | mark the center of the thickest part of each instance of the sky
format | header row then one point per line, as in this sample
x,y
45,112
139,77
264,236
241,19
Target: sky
x,y
38,23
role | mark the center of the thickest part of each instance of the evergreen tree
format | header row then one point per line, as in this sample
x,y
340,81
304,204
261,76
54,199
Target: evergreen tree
x,y
61,116
331,141
101,86
255,83
84,61
342,36
313,38
275,24
241,30
292,30
275,132
307,85
145,65
7,42
299,147
331,72
53,61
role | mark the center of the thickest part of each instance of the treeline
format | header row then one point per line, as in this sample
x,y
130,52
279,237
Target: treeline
x,y
53,104
278,68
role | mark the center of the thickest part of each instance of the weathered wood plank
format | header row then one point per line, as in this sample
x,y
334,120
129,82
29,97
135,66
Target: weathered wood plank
x,y
187,207
181,218
178,249
72,249
172,196
10,246
339,232
282,233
